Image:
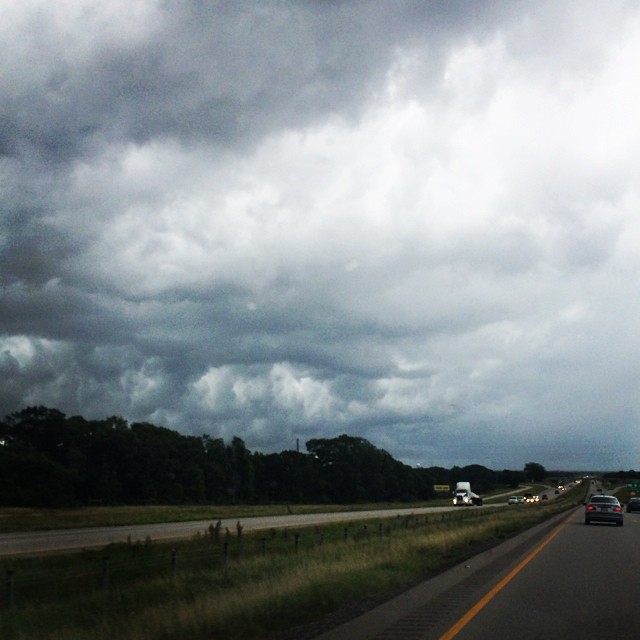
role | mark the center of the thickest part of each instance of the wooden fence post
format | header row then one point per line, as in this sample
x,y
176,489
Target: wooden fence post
x,y
10,586
105,573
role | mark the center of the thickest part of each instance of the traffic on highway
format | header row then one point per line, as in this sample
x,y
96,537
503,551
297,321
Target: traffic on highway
x,y
64,540
558,580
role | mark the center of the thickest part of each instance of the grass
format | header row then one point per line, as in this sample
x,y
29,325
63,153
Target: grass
x,y
30,519
266,584
27,519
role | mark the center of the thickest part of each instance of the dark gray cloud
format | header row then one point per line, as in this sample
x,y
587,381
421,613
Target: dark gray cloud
x,y
413,222
191,71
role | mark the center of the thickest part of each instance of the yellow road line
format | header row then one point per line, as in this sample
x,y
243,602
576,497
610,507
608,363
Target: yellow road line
x,y
482,603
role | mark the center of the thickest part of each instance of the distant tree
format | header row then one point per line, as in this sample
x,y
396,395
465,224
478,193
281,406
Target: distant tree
x,y
37,429
534,472
481,478
511,478
217,469
440,475
169,465
287,477
341,464
242,486
423,483
114,474
28,478
351,469
34,459
47,459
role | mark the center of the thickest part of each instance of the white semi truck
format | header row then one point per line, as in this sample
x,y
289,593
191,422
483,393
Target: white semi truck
x,y
464,497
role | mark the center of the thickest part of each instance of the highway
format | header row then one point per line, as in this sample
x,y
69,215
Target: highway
x,y
59,540
67,540
560,580
581,585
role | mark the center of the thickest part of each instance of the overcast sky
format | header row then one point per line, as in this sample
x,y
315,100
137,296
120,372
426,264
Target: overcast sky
x,y
412,222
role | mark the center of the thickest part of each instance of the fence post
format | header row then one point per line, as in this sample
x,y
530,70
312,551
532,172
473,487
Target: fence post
x,y
174,563
105,573
297,537
225,553
9,588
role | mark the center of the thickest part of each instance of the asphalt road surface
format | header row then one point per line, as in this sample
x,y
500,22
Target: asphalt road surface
x,y
95,537
561,580
61,540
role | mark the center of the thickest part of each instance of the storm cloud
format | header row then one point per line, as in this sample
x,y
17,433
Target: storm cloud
x,y
413,222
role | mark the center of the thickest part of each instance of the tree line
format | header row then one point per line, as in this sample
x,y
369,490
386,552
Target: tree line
x,y
51,460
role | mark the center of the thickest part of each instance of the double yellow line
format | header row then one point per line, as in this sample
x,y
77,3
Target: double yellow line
x,y
484,601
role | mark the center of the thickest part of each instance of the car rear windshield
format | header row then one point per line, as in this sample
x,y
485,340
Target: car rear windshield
x,y
604,500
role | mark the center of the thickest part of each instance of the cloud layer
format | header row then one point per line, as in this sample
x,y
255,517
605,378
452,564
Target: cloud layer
x,y
411,222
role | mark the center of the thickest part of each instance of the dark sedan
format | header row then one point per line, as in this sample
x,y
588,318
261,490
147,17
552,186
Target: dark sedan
x,y
633,504
602,508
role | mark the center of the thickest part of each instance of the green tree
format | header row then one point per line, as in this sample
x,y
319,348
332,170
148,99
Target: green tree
x,y
288,477
534,472
511,478
217,469
37,429
242,486
353,470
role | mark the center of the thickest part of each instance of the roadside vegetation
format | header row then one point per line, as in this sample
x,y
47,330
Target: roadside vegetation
x,y
41,519
31,519
254,585
59,472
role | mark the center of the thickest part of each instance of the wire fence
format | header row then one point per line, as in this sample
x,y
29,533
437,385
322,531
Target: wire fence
x,y
48,580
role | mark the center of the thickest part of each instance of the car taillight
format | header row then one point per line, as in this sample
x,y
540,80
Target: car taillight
x,y
591,508
617,508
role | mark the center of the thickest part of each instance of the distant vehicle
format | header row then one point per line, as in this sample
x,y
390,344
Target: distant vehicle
x,y
515,499
529,498
463,496
633,505
602,508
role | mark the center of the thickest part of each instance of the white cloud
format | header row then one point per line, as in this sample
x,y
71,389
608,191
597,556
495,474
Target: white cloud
x,y
300,393
438,232
214,389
